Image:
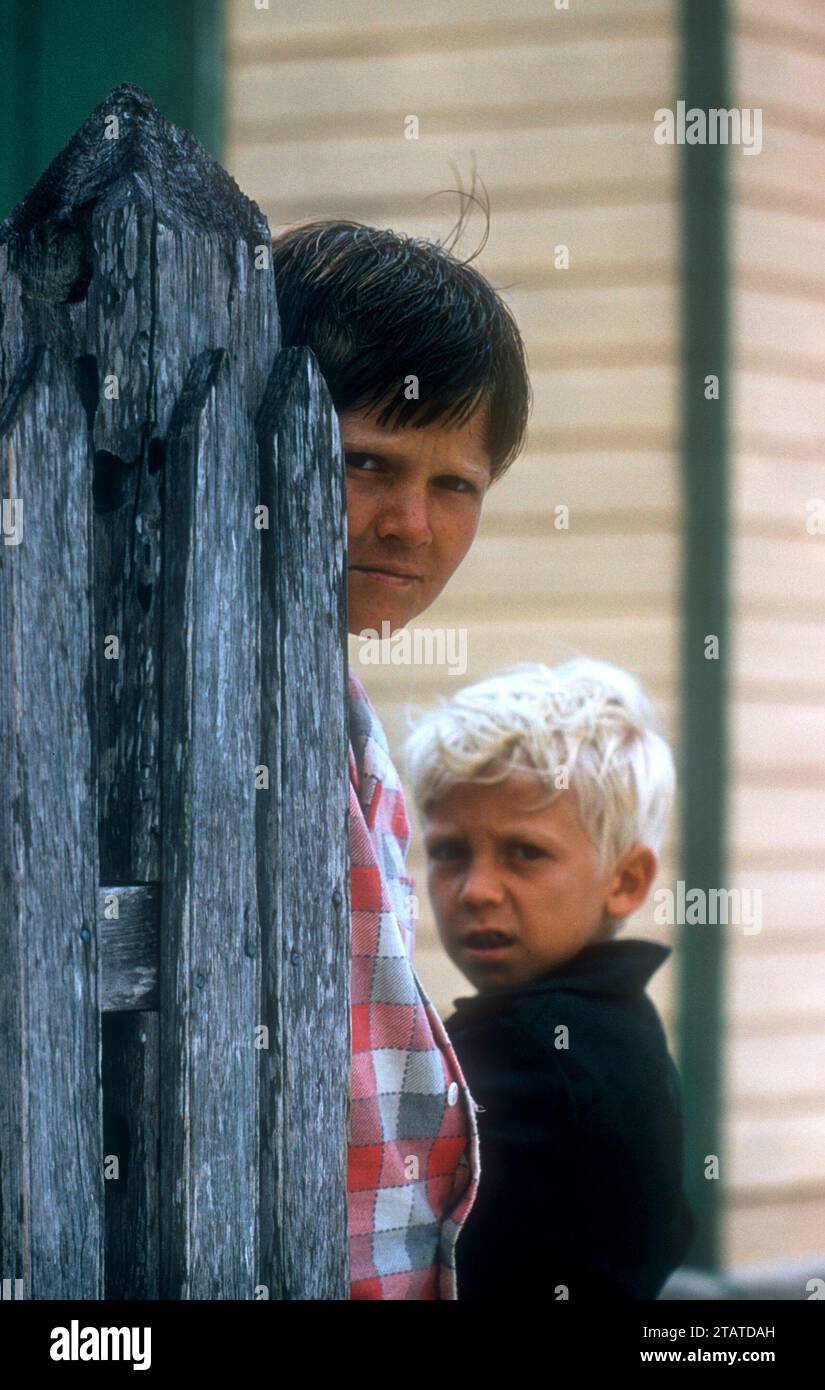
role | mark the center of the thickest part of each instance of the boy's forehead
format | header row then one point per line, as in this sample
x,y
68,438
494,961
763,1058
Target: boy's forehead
x,y
520,797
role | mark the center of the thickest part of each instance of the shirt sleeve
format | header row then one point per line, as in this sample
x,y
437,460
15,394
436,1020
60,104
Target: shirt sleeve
x,y
571,1202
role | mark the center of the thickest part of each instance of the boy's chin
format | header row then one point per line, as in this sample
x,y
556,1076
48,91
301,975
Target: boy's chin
x,y
376,630
368,611
486,977
381,622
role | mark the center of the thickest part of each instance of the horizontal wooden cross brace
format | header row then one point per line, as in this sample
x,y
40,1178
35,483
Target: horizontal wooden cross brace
x,y
128,945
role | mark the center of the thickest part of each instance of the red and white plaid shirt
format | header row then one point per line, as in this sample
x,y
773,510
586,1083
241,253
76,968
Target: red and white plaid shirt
x,y
413,1158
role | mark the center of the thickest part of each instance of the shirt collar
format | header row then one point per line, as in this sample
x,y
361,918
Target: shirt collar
x,y
604,968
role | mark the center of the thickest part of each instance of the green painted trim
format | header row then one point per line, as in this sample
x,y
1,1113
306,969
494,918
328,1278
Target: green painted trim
x,y
20,137
209,68
59,61
705,291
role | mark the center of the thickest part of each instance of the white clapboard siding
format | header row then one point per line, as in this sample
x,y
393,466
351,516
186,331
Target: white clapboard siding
x,y
649,650
793,904
782,1228
546,84
796,24
782,984
786,410
773,1073
784,569
791,161
610,247
776,980
777,250
788,327
781,656
776,490
568,321
615,398
779,739
760,1149
780,79
641,488
777,821
598,158
360,24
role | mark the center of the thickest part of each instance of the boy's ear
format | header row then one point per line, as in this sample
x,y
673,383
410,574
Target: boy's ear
x,y
631,881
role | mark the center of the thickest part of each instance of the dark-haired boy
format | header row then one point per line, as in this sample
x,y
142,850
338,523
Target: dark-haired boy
x,y
426,370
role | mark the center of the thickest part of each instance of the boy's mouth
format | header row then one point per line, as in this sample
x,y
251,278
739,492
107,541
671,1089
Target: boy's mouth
x,y
487,944
393,577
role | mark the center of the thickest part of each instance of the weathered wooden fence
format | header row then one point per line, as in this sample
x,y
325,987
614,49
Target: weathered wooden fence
x,y
174,907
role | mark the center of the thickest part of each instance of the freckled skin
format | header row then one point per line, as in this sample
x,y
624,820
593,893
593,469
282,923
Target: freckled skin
x,y
500,858
414,499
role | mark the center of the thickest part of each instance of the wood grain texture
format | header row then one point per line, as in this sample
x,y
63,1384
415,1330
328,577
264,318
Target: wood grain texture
x,y
129,947
51,1182
138,330
209,933
303,868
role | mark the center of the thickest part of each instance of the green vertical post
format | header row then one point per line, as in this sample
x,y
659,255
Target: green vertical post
x,y
705,316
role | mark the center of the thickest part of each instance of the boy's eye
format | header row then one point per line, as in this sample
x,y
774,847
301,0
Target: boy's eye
x,y
522,850
456,484
445,849
359,460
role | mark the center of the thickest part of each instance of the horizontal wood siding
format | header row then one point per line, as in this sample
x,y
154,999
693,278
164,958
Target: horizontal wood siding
x,y
776,1043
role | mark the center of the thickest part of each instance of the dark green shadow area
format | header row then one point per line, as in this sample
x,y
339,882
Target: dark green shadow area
x,y
60,58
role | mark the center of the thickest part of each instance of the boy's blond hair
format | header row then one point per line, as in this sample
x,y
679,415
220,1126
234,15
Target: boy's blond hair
x,y
587,716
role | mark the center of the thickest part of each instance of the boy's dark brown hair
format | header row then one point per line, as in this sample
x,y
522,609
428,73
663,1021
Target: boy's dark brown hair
x,y
376,307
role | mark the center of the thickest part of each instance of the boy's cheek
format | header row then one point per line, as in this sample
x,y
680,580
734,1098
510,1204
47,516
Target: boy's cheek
x,y
440,889
440,894
437,905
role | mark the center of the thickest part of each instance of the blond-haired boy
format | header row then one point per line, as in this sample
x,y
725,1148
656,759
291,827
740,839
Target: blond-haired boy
x,y
544,795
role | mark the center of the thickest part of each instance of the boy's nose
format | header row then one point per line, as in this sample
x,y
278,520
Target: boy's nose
x,y
481,886
405,518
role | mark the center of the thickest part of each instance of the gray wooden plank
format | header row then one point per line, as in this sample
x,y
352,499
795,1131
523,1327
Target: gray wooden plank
x,y
51,1181
171,218
134,253
128,945
303,856
210,988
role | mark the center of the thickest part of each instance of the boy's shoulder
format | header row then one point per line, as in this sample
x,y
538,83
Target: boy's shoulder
x,y
598,996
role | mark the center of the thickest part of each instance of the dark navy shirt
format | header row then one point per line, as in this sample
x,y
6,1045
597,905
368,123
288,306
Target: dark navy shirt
x,y
581,1145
